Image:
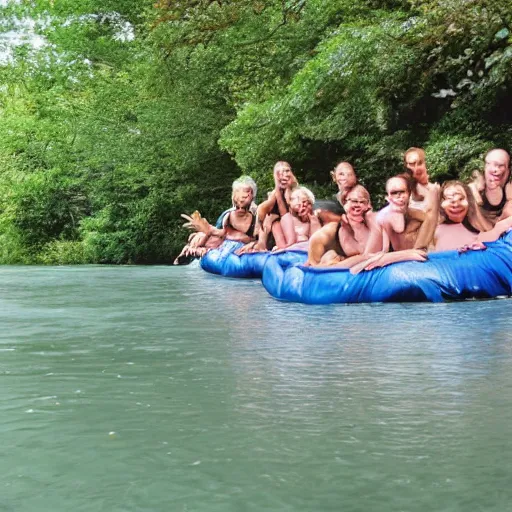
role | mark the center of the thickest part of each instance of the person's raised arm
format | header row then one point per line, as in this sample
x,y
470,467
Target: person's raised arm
x,y
280,200
266,206
378,239
315,224
429,224
197,223
476,191
426,231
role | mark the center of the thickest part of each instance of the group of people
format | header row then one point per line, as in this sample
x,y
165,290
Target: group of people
x,y
420,216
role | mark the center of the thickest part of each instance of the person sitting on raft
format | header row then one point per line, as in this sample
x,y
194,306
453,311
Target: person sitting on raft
x,y
198,244
357,234
239,224
276,206
345,178
460,228
493,192
457,229
416,166
405,230
298,224
406,227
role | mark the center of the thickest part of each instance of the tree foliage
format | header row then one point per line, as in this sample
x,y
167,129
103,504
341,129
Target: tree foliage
x,y
133,111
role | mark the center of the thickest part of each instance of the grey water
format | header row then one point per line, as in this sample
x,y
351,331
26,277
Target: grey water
x,y
168,389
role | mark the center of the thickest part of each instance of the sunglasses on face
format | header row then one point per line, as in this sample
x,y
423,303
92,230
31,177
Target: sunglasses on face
x,y
455,198
395,193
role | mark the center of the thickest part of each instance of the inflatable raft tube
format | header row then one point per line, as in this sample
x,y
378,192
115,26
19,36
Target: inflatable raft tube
x,y
224,262
446,276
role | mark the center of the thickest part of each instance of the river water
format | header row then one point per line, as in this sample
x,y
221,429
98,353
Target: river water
x,y
168,389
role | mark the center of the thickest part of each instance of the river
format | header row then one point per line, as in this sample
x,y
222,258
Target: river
x,y
168,389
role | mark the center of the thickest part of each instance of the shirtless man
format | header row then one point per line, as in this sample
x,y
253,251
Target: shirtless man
x,y
408,231
406,227
357,234
493,193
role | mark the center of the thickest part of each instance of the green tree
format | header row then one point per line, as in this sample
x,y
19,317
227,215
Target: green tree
x,y
134,112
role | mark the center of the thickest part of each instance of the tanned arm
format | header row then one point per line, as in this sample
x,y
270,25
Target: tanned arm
x,y
265,207
319,243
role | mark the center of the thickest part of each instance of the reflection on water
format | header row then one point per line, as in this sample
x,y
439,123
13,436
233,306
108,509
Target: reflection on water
x,y
157,388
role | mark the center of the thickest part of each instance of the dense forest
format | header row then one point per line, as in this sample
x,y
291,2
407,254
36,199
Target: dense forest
x,y
127,113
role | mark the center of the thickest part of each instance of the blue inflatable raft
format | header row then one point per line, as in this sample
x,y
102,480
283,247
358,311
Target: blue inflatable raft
x,y
224,262
445,276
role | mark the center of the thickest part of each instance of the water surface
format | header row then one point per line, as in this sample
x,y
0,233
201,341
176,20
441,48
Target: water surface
x,y
168,389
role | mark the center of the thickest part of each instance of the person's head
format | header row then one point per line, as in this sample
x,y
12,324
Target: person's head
x,y
244,192
398,191
301,202
284,175
357,203
456,201
415,163
496,170
344,176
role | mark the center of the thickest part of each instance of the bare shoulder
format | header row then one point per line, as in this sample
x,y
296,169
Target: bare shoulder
x,y
371,219
383,214
416,214
329,228
325,235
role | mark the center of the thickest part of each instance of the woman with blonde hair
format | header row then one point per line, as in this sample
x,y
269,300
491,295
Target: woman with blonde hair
x,y
299,223
239,223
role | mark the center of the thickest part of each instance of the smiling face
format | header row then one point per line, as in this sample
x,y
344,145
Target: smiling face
x,y
496,168
284,175
344,176
301,204
454,203
415,162
398,193
357,203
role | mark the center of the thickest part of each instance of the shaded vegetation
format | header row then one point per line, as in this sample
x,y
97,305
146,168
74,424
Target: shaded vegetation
x,y
136,111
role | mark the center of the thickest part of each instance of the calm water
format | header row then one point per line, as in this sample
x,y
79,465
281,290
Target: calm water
x,y
167,389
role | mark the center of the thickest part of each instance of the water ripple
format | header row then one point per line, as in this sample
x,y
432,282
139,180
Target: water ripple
x,y
156,388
